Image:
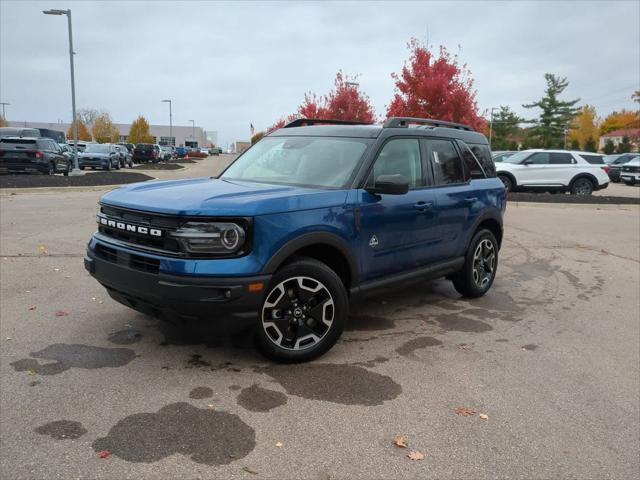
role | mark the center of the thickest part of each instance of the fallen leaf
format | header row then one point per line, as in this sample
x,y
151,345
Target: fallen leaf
x,y
43,249
464,347
32,307
8,338
61,313
484,416
93,299
415,455
465,412
56,269
248,470
104,453
279,444
101,301
400,441
32,371
211,405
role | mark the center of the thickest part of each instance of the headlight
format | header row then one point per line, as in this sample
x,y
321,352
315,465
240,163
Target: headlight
x,y
211,237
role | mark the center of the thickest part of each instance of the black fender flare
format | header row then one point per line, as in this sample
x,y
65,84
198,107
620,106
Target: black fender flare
x,y
314,238
487,215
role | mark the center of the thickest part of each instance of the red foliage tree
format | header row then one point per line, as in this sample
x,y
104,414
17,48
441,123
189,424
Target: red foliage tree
x,y
435,86
282,122
344,102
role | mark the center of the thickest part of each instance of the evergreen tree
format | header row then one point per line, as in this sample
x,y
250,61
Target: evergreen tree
x,y
505,125
624,146
556,114
609,147
590,145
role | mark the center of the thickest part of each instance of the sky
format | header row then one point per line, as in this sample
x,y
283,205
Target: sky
x,y
227,65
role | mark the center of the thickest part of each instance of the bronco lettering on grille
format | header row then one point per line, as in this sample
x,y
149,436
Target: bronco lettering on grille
x,y
128,227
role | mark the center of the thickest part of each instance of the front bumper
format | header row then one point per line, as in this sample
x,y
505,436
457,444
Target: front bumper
x,y
83,162
225,303
630,176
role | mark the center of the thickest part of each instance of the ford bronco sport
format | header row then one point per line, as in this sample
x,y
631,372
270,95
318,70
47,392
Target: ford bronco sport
x,y
309,217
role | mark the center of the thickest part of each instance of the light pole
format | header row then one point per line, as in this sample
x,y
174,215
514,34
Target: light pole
x,y
193,130
76,170
491,126
170,122
3,105
566,130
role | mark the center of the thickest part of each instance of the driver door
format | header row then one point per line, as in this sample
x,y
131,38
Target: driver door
x,y
396,230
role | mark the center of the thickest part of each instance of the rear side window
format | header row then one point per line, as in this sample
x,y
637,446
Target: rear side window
x,y
447,164
593,159
560,158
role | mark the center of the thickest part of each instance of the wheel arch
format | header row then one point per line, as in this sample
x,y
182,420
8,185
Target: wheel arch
x,y
509,175
328,248
492,221
587,175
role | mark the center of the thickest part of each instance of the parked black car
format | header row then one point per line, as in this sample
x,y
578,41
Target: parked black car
x,y
99,155
126,159
32,155
615,167
145,152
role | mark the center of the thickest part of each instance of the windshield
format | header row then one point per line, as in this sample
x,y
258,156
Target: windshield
x,y
517,157
304,161
97,148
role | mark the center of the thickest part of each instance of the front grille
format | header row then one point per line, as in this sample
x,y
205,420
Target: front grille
x,y
162,222
149,265
631,169
106,253
137,262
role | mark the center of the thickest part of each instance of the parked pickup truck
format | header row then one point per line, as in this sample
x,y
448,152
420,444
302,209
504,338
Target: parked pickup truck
x,y
311,216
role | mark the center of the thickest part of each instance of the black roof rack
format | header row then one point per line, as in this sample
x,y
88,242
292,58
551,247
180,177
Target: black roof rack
x,y
303,122
405,121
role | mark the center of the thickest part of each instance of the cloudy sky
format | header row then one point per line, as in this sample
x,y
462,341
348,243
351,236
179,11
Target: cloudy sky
x,y
228,64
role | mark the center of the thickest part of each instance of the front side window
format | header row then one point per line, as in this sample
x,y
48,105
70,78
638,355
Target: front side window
x,y
399,157
540,158
327,162
447,164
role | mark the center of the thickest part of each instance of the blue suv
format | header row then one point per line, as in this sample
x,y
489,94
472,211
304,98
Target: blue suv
x,y
308,218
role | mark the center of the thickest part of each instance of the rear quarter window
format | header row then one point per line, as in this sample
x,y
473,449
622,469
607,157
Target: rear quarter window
x,y
593,159
483,154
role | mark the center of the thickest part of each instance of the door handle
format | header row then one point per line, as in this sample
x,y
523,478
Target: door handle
x,y
423,206
470,200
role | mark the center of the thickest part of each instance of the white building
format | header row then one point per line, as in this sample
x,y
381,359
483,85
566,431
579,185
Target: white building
x,y
177,135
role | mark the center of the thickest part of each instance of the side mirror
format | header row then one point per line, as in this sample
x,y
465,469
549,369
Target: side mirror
x,y
527,162
390,185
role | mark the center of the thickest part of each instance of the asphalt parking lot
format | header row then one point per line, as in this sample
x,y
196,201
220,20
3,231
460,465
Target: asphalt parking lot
x,y
551,358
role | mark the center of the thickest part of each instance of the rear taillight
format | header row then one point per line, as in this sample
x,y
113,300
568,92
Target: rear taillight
x,y
39,154
606,168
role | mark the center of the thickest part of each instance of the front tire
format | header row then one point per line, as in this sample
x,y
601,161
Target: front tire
x,y
303,312
480,266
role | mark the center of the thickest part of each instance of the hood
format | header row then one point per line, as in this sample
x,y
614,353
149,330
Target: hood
x,y
507,167
213,197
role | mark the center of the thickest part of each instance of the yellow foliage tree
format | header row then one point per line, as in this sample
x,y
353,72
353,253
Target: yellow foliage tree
x,y
104,131
139,131
3,122
83,132
584,127
619,120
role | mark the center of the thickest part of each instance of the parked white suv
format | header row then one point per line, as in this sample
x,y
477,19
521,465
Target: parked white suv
x,y
630,173
552,170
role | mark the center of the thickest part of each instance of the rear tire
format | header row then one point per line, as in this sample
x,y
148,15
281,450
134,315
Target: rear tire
x,y
582,187
507,182
303,312
480,266
52,169
629,182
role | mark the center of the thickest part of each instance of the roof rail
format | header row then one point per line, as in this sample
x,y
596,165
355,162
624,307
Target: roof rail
x,y
405,121
302,122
